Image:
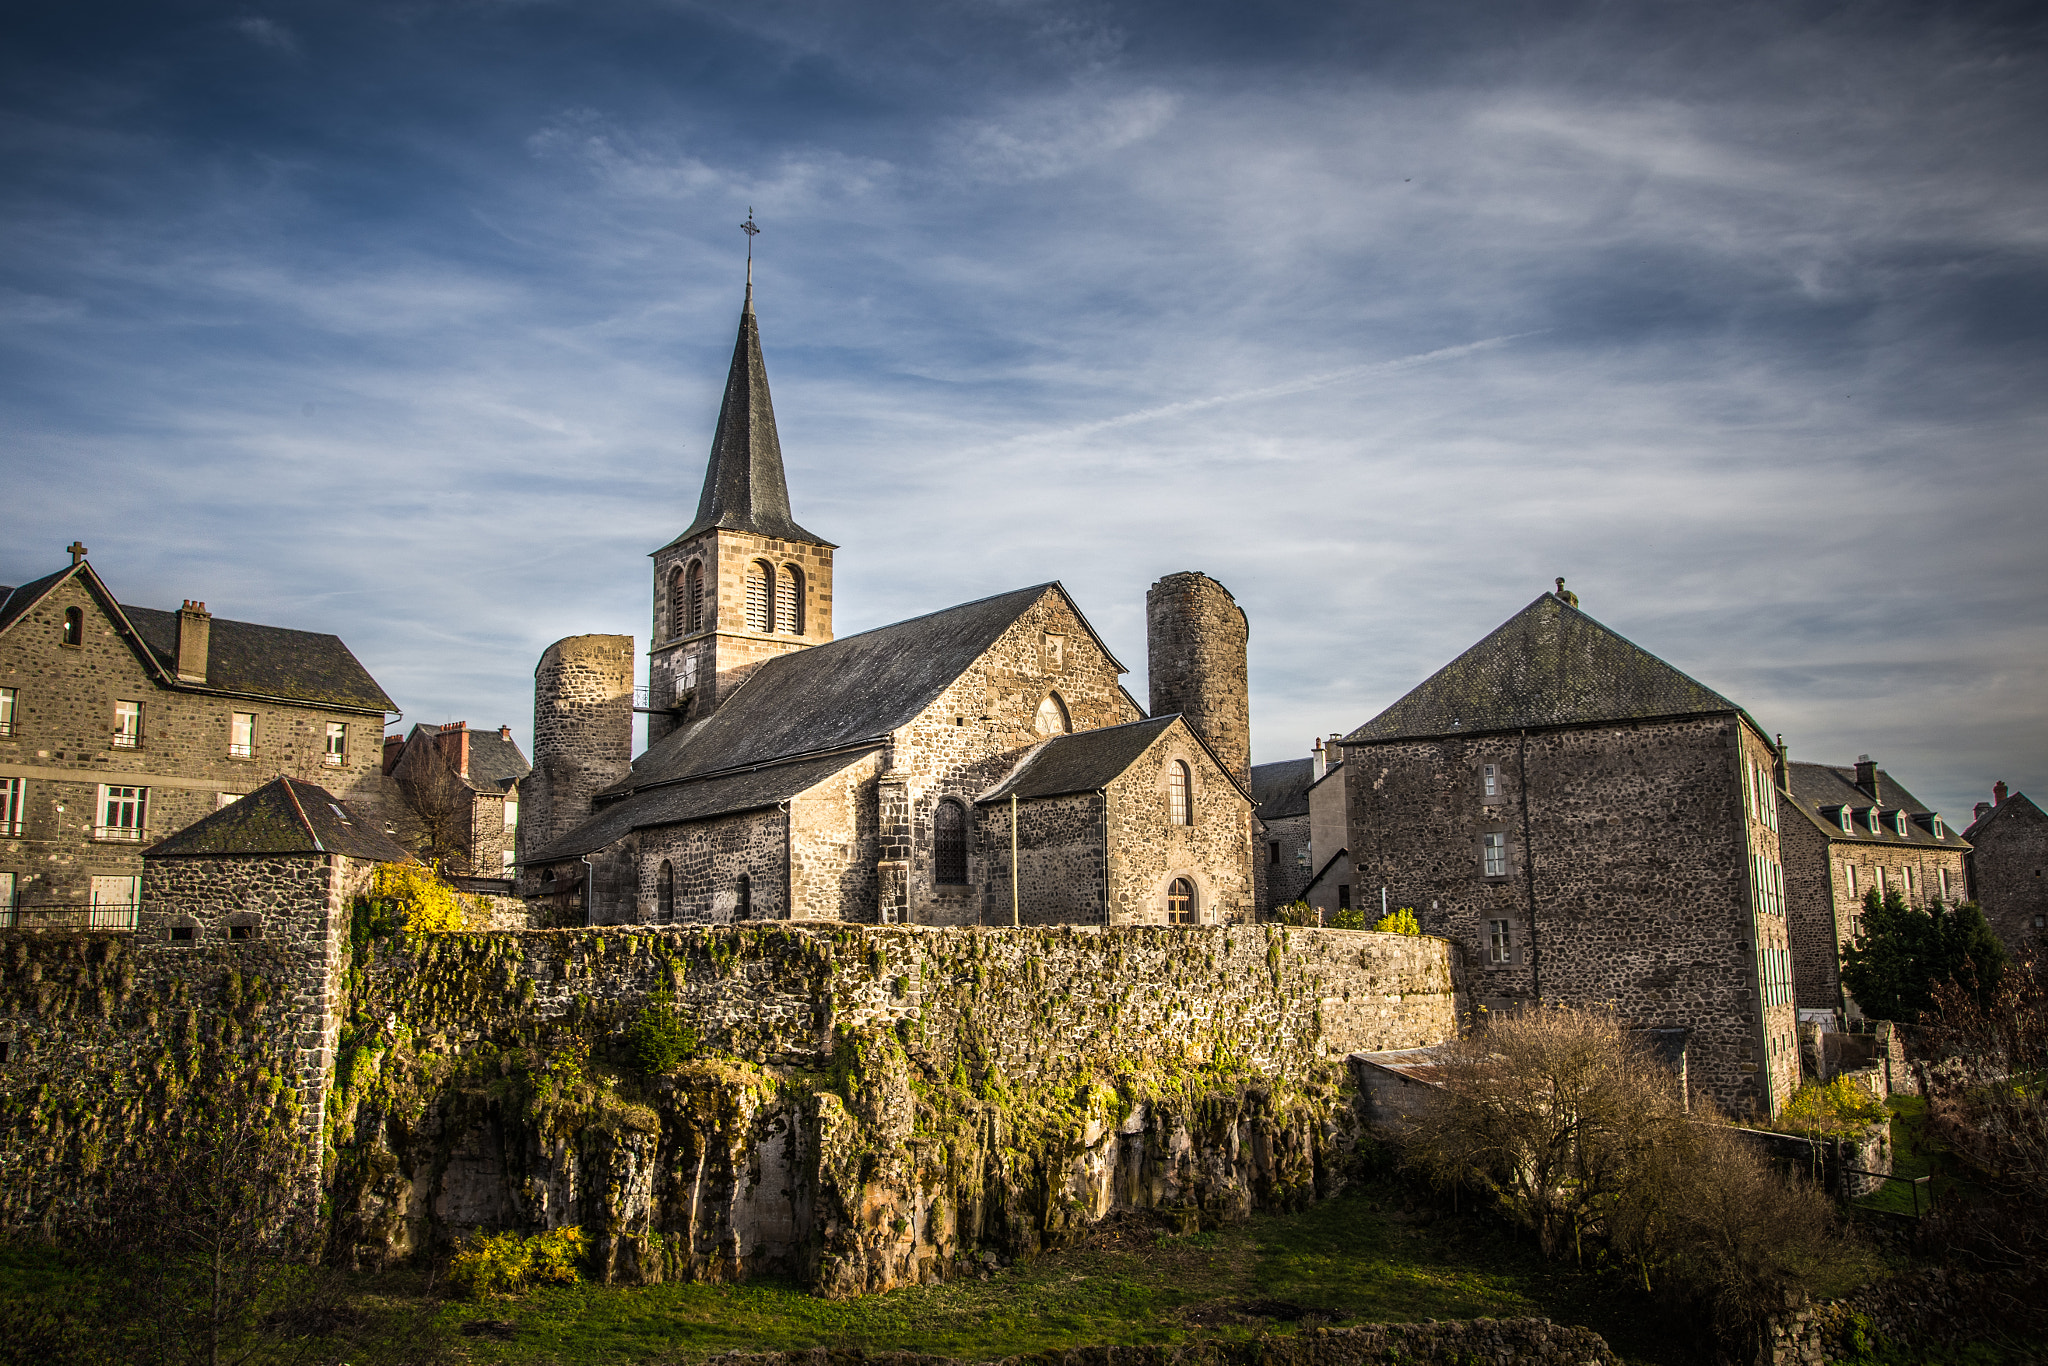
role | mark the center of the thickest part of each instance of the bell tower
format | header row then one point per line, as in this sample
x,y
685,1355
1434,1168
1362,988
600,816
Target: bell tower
x,y
744,583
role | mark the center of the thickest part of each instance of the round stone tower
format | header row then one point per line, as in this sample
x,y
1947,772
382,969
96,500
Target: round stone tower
x,y
1195,642
582,734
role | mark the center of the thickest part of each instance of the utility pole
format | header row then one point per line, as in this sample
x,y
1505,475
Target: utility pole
x,y
1013,861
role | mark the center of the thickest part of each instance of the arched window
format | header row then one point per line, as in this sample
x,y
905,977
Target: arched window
x,y
74,626
743,908
949,844
789,602
1052,716
1180,902
1180,797
693,596
760,596
665,891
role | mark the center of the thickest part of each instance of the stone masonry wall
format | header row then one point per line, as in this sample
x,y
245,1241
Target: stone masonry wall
x,y
1641,876
1148,851
582,735
1196,641
62,748
2009,875
867,1108
1059,860
833,845
1282,875
708,859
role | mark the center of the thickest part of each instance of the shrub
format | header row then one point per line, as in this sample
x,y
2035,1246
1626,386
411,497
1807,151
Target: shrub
x,y
1297,913
488,1264
414,897
1827,1108
659,1040
1400,922
1347,918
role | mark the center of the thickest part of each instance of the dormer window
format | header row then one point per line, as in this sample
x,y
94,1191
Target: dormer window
x,y
1899,824
1871,819
1940,830
1847,818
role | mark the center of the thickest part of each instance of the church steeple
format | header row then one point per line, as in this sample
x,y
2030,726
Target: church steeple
x,y
744,488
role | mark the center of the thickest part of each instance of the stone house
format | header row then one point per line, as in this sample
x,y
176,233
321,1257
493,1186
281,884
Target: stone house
x,y
791,775
461,789
1283,862
1592,827
271,878
1330,888
2007,868
120,725
1845,832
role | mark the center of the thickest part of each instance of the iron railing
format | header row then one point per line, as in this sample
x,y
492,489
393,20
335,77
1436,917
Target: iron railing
x,y
241,751
10,830
52,915
120,834
126,740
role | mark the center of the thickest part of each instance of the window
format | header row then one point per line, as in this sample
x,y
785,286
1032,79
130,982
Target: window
x,y
10,807
1906,882
1940,830
949,844
1899,824
113,902
127,725
1343,896
123,813
789,602
511,813
1180,902
337,744
665,890
1847,819
1500,947
241,735
6,898
1494,854
6,711
744,910
1490,781
760,594
1941,880
1871,821
1179,799
1849,877
184,934
1877,880
508,862
1273,852
241,931
686,600
74,626
1052,717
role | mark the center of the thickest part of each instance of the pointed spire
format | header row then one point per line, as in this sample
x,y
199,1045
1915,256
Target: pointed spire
x,y
744,488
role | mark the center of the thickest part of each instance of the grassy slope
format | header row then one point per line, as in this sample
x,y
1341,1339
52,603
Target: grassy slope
x,y
1356,1258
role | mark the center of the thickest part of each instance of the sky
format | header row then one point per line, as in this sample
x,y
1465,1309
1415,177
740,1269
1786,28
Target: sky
x,y
407,320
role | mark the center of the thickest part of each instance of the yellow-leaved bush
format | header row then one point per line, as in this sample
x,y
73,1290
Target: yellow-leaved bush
x,y
488,1264
416,898
1399,922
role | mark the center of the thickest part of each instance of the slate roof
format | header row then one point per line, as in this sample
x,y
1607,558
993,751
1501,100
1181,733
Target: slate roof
x,y
2020,803
852,691
744,488
1818,788
495,762
1281,790
1548,665
242,657
284,816
751,790
1086,761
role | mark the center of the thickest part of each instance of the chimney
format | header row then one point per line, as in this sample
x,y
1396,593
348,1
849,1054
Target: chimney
x,y
195,633
1318,763
456,734
1983,810
504,732
1784,774
1866,778
1998,790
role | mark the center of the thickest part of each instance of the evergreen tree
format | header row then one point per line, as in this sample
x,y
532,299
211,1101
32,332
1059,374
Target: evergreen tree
x,y
1901,953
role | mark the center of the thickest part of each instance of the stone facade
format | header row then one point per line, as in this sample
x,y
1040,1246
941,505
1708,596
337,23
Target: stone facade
x,y
1625,876
462,789
1197,640
691,671
2008,872
582,735
183,758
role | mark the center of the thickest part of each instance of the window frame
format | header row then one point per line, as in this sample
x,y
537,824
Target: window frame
x,y
241,749
1180,793
127,724
1492,843
1500,942
73,636
789,601
760,597
134,801
1063,717
1189,911
335,755
665,891
10,704
949,855
13,798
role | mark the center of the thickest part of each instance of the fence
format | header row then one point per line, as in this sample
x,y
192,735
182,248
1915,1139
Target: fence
x,y
69,916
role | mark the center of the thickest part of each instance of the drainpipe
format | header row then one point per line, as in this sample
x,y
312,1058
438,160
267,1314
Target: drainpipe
x,y
788,863
589,889
1013,861
1102,795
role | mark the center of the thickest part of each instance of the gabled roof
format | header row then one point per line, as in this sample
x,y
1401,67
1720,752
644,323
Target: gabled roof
x,y
749,790
2016,807
1824,787
1090,760
495,762
1281,789
242,658
744,487
284,816
853,691
1548,665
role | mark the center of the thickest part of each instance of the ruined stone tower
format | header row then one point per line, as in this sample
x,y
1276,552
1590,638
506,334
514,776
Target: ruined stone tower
x,y
1195,643
582,734
744,583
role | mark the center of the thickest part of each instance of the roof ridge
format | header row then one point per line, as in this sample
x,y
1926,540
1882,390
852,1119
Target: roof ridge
x,y
298,806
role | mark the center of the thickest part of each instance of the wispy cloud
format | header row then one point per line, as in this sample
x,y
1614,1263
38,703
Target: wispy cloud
x,y
266,32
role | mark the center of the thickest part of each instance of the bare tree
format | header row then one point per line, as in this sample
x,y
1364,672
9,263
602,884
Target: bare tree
x,y
440,807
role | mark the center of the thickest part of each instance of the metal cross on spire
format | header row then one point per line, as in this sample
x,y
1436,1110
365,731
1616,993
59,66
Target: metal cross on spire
x,y
752,230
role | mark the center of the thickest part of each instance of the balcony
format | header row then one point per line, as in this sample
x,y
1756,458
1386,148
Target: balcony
x,y
69,916
10,830
118,834
241,751
127,740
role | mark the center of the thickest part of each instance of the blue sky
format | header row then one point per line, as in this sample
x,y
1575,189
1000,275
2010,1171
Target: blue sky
x,y
408,321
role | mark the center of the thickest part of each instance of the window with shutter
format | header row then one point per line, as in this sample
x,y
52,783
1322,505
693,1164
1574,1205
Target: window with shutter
x,y
760,594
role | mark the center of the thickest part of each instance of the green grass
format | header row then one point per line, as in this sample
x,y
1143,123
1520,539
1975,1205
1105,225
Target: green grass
x,y
1916,1152
1353,1259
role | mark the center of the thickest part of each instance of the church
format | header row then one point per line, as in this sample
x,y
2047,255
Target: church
x,y
978,765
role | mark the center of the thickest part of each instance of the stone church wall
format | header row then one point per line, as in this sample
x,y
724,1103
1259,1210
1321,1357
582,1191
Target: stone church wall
x,y
832,858
1214,852
1060,879
708,859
